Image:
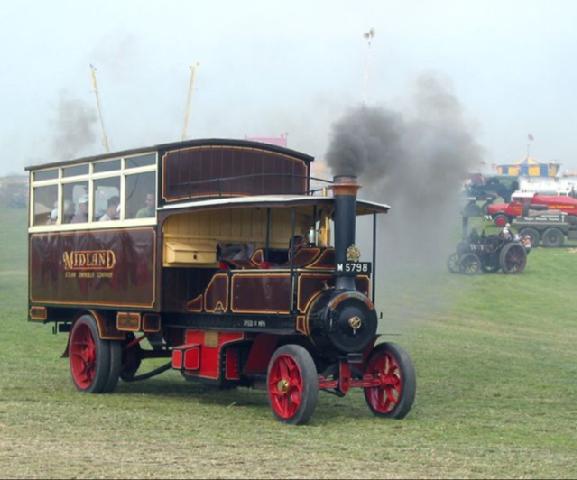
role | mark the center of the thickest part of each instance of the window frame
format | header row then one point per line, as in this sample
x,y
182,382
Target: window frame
x,y
123,172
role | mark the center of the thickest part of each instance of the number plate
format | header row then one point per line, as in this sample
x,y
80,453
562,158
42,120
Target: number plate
x,y
354,268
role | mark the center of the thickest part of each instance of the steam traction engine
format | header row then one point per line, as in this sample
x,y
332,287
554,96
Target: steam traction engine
x,y
233,277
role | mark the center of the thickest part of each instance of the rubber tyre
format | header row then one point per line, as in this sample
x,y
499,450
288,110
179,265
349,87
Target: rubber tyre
x,y
404,371
533,233
500,220
115,365
303,375
517,249
470,264
89,356
552,237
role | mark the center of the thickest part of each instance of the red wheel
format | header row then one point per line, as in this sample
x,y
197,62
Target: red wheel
x,y
394,396
293,384
500,220
89,357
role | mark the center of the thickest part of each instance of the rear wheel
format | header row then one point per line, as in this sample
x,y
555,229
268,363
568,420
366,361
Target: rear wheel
x,y
553,237
89,356
292,384
394,396
533,234
513,258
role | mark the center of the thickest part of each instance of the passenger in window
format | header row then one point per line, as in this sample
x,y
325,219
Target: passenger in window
x,y
67,211
53,214
148,210
82,211
112,210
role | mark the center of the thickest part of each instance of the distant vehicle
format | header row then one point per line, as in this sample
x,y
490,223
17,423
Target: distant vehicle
x,y
490,253
482,187
565,187
523,202
547,229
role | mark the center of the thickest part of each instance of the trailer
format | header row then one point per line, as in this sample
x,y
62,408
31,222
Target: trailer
x,y
549,229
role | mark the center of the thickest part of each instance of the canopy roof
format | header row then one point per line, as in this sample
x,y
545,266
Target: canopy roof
x,y
364,207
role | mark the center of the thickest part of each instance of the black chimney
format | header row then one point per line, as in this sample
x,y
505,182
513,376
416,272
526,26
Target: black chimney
x,y
345,194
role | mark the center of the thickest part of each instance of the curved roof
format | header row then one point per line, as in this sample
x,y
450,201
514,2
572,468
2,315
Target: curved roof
x,y
163,147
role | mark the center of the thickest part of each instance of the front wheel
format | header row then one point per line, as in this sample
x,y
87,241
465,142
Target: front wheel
x,y
453,263
292,384
395,394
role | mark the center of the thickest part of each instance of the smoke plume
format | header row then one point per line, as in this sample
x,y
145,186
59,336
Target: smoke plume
x,y
415,160
75,127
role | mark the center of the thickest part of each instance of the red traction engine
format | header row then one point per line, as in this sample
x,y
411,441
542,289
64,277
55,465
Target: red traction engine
x,y
338,350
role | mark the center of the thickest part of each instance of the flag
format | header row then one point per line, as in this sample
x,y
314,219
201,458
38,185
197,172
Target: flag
x,y
530,137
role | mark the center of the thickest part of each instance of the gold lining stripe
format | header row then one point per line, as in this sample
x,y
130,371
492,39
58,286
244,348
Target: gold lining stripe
x,y
215,309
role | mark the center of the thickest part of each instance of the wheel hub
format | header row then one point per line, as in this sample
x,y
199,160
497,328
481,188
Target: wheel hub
x,y
283,385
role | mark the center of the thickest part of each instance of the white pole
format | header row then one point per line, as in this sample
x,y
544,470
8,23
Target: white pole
x,y
188,100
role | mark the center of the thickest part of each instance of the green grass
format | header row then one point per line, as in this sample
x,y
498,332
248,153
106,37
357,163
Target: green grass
x,y
497,396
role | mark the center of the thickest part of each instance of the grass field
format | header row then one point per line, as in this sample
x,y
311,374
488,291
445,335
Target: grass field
x,y
497,397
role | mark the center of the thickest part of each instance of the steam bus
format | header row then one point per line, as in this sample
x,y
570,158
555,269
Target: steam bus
x,y
215,254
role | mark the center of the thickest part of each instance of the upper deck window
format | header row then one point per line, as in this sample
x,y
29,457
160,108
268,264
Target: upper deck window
x,y
140,195
111,192
141,161
108,166
41,175
45,208
75,170
107,199
75,202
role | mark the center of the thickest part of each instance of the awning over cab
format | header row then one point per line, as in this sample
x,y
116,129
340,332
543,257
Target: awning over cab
x,y
364,207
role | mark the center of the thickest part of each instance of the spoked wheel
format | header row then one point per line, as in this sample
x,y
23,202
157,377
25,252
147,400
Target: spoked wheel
x,y
293,384
470,264
513,258
89,357
453,263
394,396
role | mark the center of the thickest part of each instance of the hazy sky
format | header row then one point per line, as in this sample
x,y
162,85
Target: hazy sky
x,y
273,67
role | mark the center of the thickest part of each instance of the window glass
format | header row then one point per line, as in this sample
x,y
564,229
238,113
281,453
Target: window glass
x,y
45,209
140,198
110,166
75,170
75,202
140,161
46,174
106,199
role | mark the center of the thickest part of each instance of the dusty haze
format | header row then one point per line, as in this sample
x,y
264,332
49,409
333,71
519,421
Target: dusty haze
x,y
415,159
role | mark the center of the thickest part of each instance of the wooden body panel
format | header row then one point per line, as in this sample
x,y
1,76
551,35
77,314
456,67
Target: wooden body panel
x,y
228,170
108,268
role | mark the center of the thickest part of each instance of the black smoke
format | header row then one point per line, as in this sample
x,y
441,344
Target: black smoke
x,y
74,128
414,159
